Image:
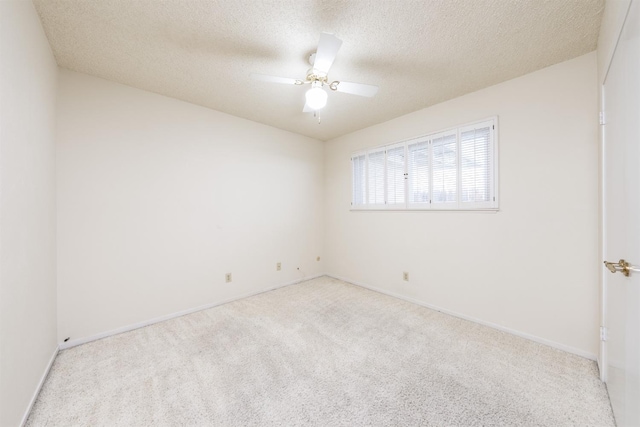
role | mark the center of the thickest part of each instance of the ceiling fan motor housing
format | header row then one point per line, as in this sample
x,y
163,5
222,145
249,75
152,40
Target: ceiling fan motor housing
x,y
314,75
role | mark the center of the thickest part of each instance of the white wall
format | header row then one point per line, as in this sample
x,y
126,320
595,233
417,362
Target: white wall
x,y
158,199
28,79
533,266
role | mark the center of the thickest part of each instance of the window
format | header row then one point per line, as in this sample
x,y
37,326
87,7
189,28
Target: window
x,y
396,175
444,161
419,173
359,180
375,172
454,169
476,165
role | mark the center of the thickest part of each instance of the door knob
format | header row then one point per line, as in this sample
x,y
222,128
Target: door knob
x,y
621,266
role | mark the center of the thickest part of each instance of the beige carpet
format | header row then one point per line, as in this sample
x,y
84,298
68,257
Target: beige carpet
x,y
322,353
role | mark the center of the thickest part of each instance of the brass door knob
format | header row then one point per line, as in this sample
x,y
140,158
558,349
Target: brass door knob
x,y
621,266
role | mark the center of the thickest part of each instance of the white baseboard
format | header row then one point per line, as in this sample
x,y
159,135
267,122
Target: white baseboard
x,y
39,387
559,346
79,341
537,339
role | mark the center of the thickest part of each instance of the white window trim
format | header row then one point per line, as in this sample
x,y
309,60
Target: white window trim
x,y
459,206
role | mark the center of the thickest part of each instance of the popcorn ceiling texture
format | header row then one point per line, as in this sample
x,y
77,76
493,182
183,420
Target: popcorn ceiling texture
x,y
320,353
418,52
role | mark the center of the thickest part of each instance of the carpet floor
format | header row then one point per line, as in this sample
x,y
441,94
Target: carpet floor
x,y
320,353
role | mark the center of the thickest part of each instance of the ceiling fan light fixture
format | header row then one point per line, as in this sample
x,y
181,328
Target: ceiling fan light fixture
x,y
321,61
316,97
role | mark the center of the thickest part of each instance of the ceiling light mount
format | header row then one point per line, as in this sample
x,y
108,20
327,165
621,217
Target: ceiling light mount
x,y
313,76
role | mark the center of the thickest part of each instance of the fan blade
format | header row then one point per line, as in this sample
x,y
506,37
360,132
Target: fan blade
x,y
274,79
307,109
357,89
327,50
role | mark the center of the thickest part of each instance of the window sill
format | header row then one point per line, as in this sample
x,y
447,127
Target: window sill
x,y
381,209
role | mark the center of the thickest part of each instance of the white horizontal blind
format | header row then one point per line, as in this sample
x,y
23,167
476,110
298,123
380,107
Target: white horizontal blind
x,y
476,158
396,175
454,169
444,160
376,177
359,171
418,170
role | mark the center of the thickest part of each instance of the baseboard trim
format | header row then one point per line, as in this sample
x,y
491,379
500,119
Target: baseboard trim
x,y
525,335
39,387
80,341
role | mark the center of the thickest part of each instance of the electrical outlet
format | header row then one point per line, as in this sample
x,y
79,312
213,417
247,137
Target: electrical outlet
x,y
227,277
405,276
278,266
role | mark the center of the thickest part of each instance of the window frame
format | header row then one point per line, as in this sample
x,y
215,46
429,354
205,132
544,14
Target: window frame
x,y
493,205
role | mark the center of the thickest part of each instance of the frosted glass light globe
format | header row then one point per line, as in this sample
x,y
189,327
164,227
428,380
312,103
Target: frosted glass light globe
x,y
316,98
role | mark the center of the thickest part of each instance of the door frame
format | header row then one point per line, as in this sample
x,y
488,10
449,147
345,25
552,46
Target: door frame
x,y
602,356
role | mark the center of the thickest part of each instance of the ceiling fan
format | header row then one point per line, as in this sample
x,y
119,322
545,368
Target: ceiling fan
x,y
321,61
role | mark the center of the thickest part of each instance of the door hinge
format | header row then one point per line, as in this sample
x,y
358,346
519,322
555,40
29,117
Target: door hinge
x,y
604,333
602,117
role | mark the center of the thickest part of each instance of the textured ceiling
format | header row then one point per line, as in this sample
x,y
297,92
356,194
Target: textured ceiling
x,y
418,52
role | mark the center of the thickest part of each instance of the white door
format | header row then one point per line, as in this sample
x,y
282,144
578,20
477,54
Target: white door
x,y
621,184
